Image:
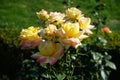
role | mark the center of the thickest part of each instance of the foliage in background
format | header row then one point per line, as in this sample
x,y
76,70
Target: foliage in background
x,y
20,14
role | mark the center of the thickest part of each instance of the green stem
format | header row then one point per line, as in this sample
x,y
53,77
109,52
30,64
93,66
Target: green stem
x,y
72,71
50,72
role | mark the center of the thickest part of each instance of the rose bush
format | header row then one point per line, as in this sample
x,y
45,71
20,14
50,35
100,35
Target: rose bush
x,y
60,42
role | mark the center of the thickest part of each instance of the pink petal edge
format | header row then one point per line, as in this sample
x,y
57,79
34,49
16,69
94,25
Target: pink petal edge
x,y
41,60
53,61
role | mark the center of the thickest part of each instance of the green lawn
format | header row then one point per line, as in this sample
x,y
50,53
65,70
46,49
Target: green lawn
x,y
18,14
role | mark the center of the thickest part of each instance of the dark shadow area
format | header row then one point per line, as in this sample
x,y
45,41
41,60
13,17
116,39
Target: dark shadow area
x,y
115,74
10,61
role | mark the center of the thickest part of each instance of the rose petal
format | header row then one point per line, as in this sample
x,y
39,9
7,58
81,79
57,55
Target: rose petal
x,y
91,26
26,46
41,59
88,31
60,52
53,61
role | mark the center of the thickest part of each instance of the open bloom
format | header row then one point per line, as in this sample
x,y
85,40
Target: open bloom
x,y
70,34
49,52
56,18
43,15
29,38
85,25
74,13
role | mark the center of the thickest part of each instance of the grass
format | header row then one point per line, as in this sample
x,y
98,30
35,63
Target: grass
x,y
21,14
18,14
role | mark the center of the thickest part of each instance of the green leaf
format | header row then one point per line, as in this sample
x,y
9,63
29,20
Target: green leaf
x,y
60,76
111,65
96,56
103,75
45,75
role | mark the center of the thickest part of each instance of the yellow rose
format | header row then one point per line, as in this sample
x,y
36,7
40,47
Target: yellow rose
x,y
71,29
47,48
70,35
29,38
85,25
74,13
43,15
50,52
56,18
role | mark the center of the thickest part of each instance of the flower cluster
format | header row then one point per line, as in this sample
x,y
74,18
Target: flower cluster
x,y
62,30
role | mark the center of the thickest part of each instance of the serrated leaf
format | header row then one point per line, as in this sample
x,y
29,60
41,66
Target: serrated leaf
x,y
111,65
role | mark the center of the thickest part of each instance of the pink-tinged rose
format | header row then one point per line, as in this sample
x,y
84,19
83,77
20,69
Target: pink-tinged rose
x,y
29,44
56,18
70,35
85,25
49,52
106,30
29,38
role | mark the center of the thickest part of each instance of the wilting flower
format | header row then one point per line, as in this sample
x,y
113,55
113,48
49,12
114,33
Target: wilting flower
x,y
106,30
29,38
43,15
49,52
74,13
70,34
56,18
85,25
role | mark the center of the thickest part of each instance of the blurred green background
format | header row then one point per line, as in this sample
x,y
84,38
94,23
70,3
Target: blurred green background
x,y
18,14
